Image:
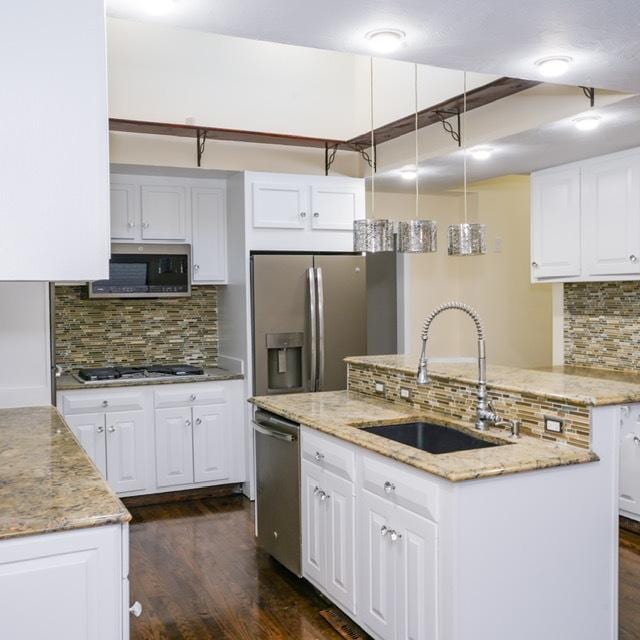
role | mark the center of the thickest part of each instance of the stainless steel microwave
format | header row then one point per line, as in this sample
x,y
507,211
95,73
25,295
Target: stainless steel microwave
x,y
146,271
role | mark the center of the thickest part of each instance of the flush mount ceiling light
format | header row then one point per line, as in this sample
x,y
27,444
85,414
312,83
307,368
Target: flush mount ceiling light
x,y
588,122
481,153
158,7
553,66
385,40
409,174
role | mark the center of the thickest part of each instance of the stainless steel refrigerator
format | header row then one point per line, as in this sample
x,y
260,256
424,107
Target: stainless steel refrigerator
x,y
311,311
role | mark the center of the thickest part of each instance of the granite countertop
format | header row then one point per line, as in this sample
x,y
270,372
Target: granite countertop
x,y
342,413
47,481
591,387
67,382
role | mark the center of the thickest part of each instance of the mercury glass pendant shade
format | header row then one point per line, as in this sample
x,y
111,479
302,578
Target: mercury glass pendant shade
x,y
467,239
373,235
417,236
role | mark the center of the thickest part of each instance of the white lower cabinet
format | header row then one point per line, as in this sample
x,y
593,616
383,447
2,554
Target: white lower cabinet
x,y
630,462
369,537
161,437
69,585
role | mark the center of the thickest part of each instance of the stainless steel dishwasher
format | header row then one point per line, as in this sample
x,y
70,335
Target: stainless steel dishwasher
x,y
277,450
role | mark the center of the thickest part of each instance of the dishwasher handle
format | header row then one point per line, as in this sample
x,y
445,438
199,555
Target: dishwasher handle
x,y
279,435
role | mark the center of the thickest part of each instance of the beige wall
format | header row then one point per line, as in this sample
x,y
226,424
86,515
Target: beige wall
x,y
517,315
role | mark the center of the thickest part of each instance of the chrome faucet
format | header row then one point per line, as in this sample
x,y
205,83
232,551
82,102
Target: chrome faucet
x,y
485,415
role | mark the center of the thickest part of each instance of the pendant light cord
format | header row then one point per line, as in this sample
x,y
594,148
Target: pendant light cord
x,y
415,86
373,148
464,140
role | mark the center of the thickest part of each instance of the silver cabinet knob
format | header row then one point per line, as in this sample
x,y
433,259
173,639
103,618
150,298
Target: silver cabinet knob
x,y
192,397
319,456
303,214
316,215
633,258
145,225
384,530
105,403
389,487
324,496
534,265
636,441
111,429
395,535
135,609
187,423
130,225
100,429
198,420
316,490
196,267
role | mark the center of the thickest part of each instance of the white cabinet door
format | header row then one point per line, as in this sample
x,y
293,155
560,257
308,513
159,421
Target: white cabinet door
x,y
611,216
313,536
126,469
555,224
65,586
212,452
174,446
89,428
630,463
125,211
334,207
279,206
209,243
376,574
339,528
164,212
416,577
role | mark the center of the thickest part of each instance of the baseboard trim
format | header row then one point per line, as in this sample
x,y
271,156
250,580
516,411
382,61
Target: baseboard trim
x,y
217,491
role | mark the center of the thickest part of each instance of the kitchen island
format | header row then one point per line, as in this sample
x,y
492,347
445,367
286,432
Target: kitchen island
x,y
515,540
63,535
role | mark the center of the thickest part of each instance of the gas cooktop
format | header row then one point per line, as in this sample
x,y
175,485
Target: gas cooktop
x,y
102,374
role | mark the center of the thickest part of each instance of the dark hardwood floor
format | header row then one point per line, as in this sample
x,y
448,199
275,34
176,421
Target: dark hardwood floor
x,y
198,574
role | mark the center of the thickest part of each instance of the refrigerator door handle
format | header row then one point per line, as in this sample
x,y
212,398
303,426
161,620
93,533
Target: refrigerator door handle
x,y
320,289
313,368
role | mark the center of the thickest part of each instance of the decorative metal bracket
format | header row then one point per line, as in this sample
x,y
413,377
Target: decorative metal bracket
x,y
590,94
370,159
329,156
444,115
201,139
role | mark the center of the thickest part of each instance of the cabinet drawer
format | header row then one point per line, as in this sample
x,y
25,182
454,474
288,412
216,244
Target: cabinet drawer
x,y
91,402
328,453
188,396
400,486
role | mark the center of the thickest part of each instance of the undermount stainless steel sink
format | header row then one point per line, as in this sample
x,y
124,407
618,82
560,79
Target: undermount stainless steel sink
x,y
434,438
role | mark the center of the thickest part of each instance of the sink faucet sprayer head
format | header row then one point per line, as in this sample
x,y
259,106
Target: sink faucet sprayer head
x,y
423,377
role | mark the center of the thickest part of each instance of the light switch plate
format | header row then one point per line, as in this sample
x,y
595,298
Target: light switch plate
x,y
553,425
379,387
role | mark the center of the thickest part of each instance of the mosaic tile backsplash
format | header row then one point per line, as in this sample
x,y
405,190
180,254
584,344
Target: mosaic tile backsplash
x,y
458,400
602,325
94,332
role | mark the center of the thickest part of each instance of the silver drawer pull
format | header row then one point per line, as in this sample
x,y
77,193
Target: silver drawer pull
x,y
111,429
105,403
389,487
636,441
198,420
135,609
192,397
303,214
319,456
316,215
100,429
633,258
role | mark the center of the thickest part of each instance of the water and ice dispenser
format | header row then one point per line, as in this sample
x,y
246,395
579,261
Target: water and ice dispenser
x,y
284,362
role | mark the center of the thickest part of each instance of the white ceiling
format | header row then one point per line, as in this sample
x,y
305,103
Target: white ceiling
x,y
545,146
501,37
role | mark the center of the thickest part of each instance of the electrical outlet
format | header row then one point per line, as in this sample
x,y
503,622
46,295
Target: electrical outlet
x,y
379,387
553,425
405,393
497,245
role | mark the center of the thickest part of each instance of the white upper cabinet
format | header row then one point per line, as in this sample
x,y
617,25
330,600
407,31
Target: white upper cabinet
x,y
334,207
125,211
164,212
209,247
555,224
279,205
611,216
54,171
585,220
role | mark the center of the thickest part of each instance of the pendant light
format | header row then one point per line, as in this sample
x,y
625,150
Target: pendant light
x,y
371,235
466,239
417,236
